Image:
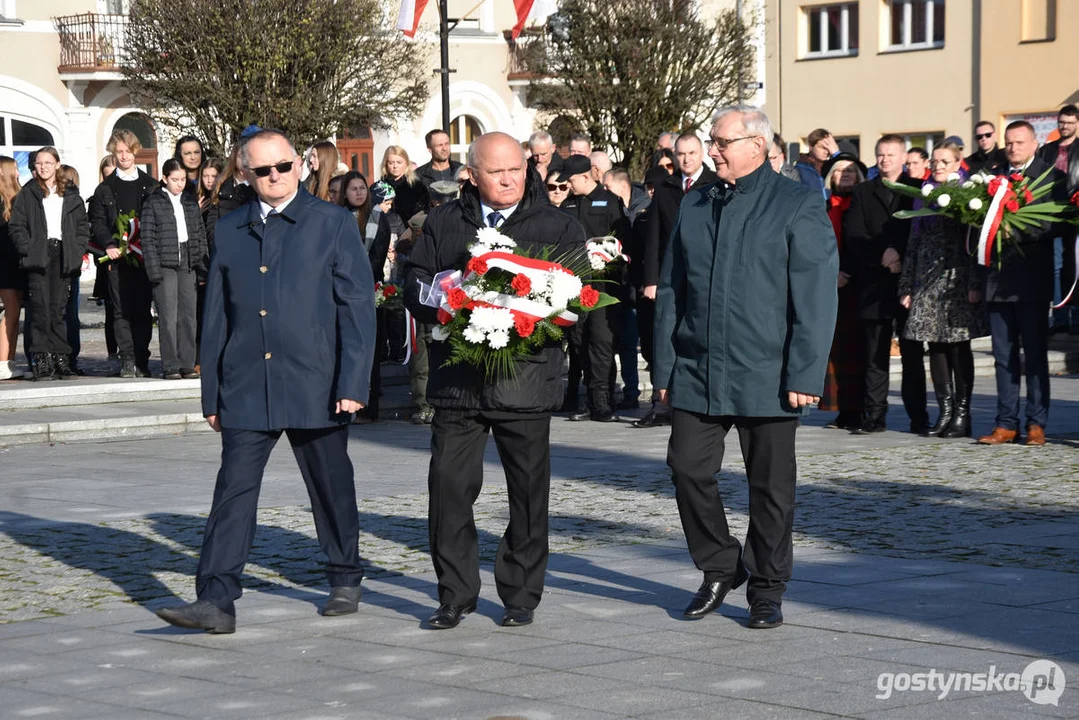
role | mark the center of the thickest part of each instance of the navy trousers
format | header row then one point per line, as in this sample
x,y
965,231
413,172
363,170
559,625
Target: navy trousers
x,y
1025,325
322,455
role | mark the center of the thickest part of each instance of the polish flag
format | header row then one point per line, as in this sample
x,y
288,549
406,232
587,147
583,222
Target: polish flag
x,y
534,10
409,17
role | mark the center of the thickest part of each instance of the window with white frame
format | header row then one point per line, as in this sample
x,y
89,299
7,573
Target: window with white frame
x,y
831,30
917,24
927,140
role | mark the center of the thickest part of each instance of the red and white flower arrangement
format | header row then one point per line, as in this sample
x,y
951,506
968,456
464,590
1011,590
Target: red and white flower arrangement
x,y
505,304
387,295
995,206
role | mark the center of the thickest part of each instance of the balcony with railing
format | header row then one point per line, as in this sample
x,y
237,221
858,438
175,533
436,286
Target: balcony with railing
x,y
526,54
91,42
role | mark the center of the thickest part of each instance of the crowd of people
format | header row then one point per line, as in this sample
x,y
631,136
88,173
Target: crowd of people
x,y
902,285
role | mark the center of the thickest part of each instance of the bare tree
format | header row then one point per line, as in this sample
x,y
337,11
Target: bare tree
x,y
631,69
310,68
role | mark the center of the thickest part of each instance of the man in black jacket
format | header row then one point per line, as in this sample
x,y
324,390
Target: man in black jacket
x,y
988,154
129,288
503,193
666,200
440,166
1063,154
600,212
875,243
1018,288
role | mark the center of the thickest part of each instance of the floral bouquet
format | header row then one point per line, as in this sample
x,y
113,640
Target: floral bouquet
x,y
997,206
127,239
387,295
505,304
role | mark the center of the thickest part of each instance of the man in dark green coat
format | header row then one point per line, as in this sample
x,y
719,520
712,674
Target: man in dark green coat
x,y
745,314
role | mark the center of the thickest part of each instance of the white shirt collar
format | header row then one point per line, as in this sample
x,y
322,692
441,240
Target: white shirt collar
x,y
265,209
132,174
695,176
487,210
1023,168
176,199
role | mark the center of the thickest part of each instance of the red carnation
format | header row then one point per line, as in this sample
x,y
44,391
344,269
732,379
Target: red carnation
x,y
1016,177
589,296
477,266
1075,199
389,290
458,298
1028,197
1011,204
994,185
521,284
524,325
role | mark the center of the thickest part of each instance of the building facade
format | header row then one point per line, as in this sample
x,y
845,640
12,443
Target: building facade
x,y
924,69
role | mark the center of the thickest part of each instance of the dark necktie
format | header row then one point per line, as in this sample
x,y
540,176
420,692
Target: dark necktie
x,y
493,219
689,184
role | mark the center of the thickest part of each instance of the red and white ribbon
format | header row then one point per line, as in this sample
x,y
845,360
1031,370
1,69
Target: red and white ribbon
x,y
992,222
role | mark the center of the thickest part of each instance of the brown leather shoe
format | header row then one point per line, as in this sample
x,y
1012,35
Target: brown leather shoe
x,y
1035,435
999,436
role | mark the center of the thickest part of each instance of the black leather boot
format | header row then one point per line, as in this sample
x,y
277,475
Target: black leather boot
x,y
61,368
961,426
946,402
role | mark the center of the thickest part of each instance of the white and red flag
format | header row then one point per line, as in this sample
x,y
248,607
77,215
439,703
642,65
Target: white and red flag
x,y
534,10
409,17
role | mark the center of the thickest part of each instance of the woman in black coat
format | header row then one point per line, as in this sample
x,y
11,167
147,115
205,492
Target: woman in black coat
x,y
410,193
50,232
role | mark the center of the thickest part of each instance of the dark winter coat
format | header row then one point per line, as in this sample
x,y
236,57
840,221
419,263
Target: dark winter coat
x,y
870,228
746,304
289,319
428,174
410,199
104,211
231,196
29,231
447,233
161,239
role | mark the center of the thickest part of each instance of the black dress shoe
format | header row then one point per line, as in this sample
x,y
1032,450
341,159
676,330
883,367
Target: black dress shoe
x,y
871,426
629,404
581,416
710,594
171,374
142,371
765,614
343,600
516,616
190,374
449,616
127,370
653,419
199,615
604,416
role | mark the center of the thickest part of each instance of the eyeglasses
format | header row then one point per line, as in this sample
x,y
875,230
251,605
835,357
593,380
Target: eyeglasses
x,y
724,143
551,187
265,170
942,162
984,136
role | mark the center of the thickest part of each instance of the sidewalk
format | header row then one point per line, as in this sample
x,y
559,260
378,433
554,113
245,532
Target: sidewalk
x,y
911,555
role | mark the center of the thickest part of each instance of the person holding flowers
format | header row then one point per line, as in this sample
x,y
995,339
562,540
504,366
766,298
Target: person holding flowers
x,y
942,290
507,199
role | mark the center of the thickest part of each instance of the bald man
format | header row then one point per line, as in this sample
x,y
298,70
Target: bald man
x,y
503,192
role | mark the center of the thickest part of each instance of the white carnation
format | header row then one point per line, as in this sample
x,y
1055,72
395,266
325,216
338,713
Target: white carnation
x,y
978,179
498,339
968,185
944,200
472,334
927,190
975,204
954,177
490,319
488,236
477,249
596,262
440,333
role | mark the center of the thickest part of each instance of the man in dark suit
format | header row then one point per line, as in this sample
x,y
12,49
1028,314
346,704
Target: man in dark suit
x,y
287,343
744,321
1063,154
666,199
875,243
1018,289
988,155
600,212
504,193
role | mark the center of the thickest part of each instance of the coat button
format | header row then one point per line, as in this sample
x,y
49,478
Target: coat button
x,y
264,269
262,313
269,355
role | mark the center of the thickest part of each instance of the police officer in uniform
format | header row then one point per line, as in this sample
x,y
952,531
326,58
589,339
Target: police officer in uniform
x,y
287,343
601,213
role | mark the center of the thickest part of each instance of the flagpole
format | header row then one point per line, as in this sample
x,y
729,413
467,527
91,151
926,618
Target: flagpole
x,y
444,50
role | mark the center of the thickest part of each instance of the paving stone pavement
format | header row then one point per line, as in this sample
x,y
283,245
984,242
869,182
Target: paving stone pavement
x,y
911,555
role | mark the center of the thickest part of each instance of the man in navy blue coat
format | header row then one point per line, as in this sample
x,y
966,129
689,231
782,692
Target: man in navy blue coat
x,y
287,345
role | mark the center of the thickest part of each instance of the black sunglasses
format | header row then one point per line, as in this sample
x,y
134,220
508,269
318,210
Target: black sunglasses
x,y
264,170
560,186
983,136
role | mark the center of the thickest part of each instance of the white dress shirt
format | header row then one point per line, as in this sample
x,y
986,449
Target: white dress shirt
x,y
181,219
486,210
54,214
265,209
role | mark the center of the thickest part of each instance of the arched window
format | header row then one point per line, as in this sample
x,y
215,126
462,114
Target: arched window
x,y
19,138
463,130
143,128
